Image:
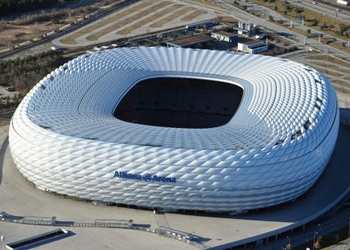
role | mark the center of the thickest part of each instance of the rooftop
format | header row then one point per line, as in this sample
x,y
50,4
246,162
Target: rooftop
x,y
251,42
188,41
224,33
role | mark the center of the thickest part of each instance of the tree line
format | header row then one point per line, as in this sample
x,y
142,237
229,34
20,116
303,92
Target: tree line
x,y
9,7
24,73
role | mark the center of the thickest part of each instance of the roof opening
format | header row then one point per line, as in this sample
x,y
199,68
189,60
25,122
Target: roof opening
x,y
180,103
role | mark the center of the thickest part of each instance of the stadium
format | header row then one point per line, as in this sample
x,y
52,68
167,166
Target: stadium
x,y
177,129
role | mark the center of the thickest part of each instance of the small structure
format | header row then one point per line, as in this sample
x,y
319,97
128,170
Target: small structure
x,y
191,42
342,2
43,238
207,23
55,48
245,29
225,36
252,47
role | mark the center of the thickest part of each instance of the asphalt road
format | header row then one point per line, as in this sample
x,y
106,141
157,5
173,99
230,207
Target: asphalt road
x,y
73,28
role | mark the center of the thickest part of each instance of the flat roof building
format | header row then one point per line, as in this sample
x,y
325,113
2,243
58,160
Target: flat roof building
x,y
196,41
225,36
207,23
342,2
252,47
245,29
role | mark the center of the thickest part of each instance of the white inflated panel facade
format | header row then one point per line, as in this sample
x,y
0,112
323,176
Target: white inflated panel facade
x,y
65,139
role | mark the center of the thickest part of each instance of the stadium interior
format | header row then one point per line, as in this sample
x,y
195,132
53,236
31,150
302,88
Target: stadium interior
x,y
180,103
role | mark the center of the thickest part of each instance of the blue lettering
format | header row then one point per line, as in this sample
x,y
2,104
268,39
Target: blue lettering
x,y
145,177
116,174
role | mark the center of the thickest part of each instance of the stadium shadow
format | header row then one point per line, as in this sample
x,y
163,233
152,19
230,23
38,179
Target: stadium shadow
x,y
2,156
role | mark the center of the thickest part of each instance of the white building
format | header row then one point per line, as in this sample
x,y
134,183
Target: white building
x,y
343,2
79,132
252,47
224,36
245,29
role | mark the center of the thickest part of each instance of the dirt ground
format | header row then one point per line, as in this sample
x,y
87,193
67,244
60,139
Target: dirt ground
x,y
28,27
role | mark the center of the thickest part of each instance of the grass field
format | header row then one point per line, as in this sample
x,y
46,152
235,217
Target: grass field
x,y
11,34
28,27
291,11
339,46
314,20
331,59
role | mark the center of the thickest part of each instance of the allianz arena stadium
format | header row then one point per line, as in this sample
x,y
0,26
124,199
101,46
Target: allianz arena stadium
x,y
176,129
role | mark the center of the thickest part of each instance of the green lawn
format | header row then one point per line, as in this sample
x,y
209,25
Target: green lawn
x,y
326,24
